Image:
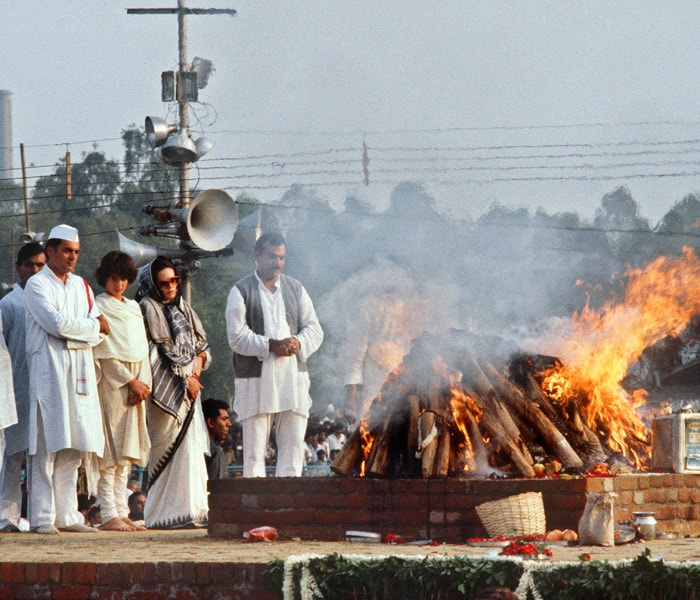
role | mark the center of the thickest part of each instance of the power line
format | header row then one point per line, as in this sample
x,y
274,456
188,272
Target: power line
x,y
128,168
412,131
387,181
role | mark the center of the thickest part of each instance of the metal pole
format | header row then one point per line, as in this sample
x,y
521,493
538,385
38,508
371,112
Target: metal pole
x,y
24,187
184,169
69,178
183,107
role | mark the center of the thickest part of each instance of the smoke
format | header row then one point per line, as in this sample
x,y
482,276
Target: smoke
x,y
378,278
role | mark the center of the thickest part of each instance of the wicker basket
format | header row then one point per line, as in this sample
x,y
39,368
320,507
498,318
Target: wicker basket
x,y
522,514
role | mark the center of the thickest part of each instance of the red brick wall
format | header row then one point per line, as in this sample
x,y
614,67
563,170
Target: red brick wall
x,y
133,581
439,509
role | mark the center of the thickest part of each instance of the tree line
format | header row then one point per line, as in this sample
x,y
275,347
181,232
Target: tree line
x,y
507,268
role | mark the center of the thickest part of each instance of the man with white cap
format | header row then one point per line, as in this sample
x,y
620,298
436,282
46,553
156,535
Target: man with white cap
x,y
31,258
63,324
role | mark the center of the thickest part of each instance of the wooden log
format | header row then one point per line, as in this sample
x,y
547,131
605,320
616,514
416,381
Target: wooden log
x,y
429,442
552,438
463,420
458,461
412,434
533,389
504,416
378,460
350,457
591,444
476,439
494,410
442,455
580,436
473,376
492,426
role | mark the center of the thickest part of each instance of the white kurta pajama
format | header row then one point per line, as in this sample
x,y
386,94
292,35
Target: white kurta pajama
x,y
8,412
281,393
64,410
17,435
119,358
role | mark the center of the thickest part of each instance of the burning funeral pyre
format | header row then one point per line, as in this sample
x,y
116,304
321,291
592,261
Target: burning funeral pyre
x,y
462,405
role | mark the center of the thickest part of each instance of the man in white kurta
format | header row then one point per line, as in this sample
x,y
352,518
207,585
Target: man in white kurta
x,y
30,260
272,329
63,324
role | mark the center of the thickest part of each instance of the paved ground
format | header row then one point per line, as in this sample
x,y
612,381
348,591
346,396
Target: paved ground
x,y
197,546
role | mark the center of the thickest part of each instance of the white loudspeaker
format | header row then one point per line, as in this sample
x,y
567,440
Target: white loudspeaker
x,y
212,220
141,254
158,130
31,236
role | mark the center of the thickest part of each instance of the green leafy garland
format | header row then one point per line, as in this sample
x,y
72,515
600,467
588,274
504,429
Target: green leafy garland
x,y
339,577
640,579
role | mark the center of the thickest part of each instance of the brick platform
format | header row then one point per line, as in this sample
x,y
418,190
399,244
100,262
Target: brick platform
x,y
441,509
132,580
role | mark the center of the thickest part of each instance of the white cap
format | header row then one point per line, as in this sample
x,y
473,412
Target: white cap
x,y
64,232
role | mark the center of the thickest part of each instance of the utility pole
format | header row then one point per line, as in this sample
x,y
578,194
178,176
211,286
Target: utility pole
x,y
183,104
25,189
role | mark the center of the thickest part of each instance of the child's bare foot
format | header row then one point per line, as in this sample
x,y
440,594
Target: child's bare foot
x,y
116,524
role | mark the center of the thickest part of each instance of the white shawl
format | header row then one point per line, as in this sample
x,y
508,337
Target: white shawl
x,y
127,335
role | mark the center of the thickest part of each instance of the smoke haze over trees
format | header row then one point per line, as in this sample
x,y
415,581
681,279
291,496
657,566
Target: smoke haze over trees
x,y
505,273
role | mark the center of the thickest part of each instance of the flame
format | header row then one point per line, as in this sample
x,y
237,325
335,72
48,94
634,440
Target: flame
x,y
367,441
394,322
659,300
463,405
463,408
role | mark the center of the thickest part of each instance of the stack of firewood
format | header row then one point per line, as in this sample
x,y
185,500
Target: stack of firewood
x,y
462,406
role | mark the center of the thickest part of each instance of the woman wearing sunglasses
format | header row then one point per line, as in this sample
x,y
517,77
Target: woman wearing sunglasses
x,y
177,473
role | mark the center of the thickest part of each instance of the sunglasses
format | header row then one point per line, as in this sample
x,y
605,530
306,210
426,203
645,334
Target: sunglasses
x,y
166,283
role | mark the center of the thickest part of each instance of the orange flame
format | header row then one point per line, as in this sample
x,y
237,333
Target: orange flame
x,y
659,300
463,408
367,441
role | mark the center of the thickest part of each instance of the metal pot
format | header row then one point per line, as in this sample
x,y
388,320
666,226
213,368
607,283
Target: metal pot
x,y
645,524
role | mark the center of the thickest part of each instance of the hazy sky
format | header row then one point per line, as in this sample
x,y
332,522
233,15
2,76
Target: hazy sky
x,y
537,104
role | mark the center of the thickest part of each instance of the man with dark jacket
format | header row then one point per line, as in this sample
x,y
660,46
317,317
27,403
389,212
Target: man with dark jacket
x,y
272,329
218,424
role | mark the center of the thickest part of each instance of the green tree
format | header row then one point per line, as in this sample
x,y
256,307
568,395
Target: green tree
x,y
146,178
95,185
628,232
680,226
12,224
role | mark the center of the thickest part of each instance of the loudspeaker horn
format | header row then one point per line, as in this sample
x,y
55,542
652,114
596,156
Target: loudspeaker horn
x,y
141,254
31,236
179,148
158,130
212,220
